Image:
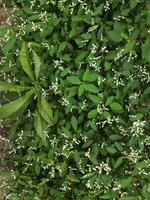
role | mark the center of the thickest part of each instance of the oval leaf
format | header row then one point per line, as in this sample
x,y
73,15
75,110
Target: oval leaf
x,y
11,108
45,110
12,88
92,88
74,123
80,90
25,61
116,107
39,127
92,114
37,63
73,80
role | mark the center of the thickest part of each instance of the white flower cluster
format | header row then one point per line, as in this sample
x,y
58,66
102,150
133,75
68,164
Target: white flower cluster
x,y
119,54
147,140
36,26
144,74
22,28
94,63
117,78
107,6
133,155
59,64
33,3
46,45
138,128
119,18
43,17
84,6
87,154
84,104
132,56
103,167
2,61
100,80
103,50
54,87
7,35
53,142
94,48
134,96
65,101
66,186
109,121
101,108
122,130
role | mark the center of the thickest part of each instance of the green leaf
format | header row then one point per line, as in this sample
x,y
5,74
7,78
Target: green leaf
x,y
80,57
115,137
98,10
74,123
90,77
146,50
73,91
93,160
11,108
12,88
9,44
74,80
109,101
72,33
80,90
136,117
76,156
107,66
42,2
114,36
66,132
88,175
146,91
86,74
45,110
145,192
94,154
92,88
133,4
106,196
128,198
116,107
25,61
95,99
87,144
118,162
37,169
111,150
62,46
86,36
128,47
39,127
37,63
92,114
93,125
125,182
93,28
141,165
118,146
79,18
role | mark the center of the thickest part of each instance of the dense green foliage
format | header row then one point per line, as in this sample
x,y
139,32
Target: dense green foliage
x,y
77,75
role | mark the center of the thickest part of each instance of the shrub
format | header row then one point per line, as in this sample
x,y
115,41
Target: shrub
x,y
77,76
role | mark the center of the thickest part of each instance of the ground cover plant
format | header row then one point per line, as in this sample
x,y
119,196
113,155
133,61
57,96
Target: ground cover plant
x,y
75,86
